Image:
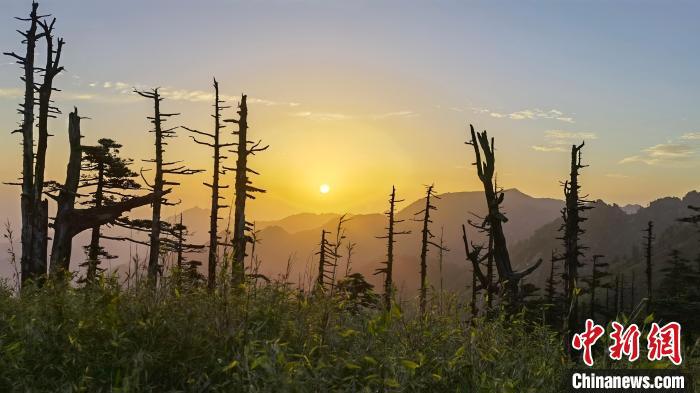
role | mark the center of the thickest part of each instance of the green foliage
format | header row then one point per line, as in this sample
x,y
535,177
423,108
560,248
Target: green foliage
x,y
268,338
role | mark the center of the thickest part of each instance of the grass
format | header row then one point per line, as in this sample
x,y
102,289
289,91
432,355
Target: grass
x,y
269,338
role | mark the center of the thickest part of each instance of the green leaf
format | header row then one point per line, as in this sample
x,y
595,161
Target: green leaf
x,y
230,366
411,365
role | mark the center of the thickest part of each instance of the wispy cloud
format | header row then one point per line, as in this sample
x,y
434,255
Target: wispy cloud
x,y
322,116
527,114
691,136
394,114
548,149
558,140
186,94
663,153
10,92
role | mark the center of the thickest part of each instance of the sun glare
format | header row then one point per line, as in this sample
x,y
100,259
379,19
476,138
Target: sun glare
x,y
325,188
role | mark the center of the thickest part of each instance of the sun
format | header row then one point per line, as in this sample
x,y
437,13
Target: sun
x,y
325,188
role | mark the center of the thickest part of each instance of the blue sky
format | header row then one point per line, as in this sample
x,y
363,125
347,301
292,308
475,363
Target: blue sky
x,y
366,94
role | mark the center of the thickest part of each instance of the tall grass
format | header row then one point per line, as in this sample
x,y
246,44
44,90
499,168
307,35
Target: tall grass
x,y
265,338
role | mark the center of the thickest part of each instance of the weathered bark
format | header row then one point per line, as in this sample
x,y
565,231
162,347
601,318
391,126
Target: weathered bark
x,y
388,268
243,189
485,165
572,216
34,209
649,238
217,170
62,239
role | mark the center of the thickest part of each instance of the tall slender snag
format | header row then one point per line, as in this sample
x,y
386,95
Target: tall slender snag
x,y
243,189
426,236
162,168
216,145
388,268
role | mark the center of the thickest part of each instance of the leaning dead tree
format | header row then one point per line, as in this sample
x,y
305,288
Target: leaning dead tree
x,y
572,215
243,188
485,168
34,208
339,237
158,187
391,232
325,261
111,180
70,220
649,238
215,143
426,236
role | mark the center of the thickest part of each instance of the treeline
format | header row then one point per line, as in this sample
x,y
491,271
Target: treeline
x,y
100,187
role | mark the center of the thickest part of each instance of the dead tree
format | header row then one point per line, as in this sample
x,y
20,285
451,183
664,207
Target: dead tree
x,y
485,167
572,215
177,244
111,180
649,238
388,267
34,208
243,188
551,283
349,249
476,259
69,220
215,143
597,273
426,236
325,255
162,169
339,237
441,254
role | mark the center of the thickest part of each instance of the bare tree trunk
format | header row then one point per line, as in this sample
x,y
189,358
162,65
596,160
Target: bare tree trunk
x,y
34,208
243,190
485,171
216,144
426,235
571,214
62,240
94,248
388,268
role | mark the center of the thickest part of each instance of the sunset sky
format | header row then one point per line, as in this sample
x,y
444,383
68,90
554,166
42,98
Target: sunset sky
x,y
360,95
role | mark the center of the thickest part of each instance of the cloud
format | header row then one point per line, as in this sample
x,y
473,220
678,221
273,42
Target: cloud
x,y
691,136
321,116
663,153
395,114
11,92
548,149
528,114
566,136
558,140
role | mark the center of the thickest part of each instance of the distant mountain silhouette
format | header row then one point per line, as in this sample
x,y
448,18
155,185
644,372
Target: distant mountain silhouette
x,y
532,232
613,232
525,214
